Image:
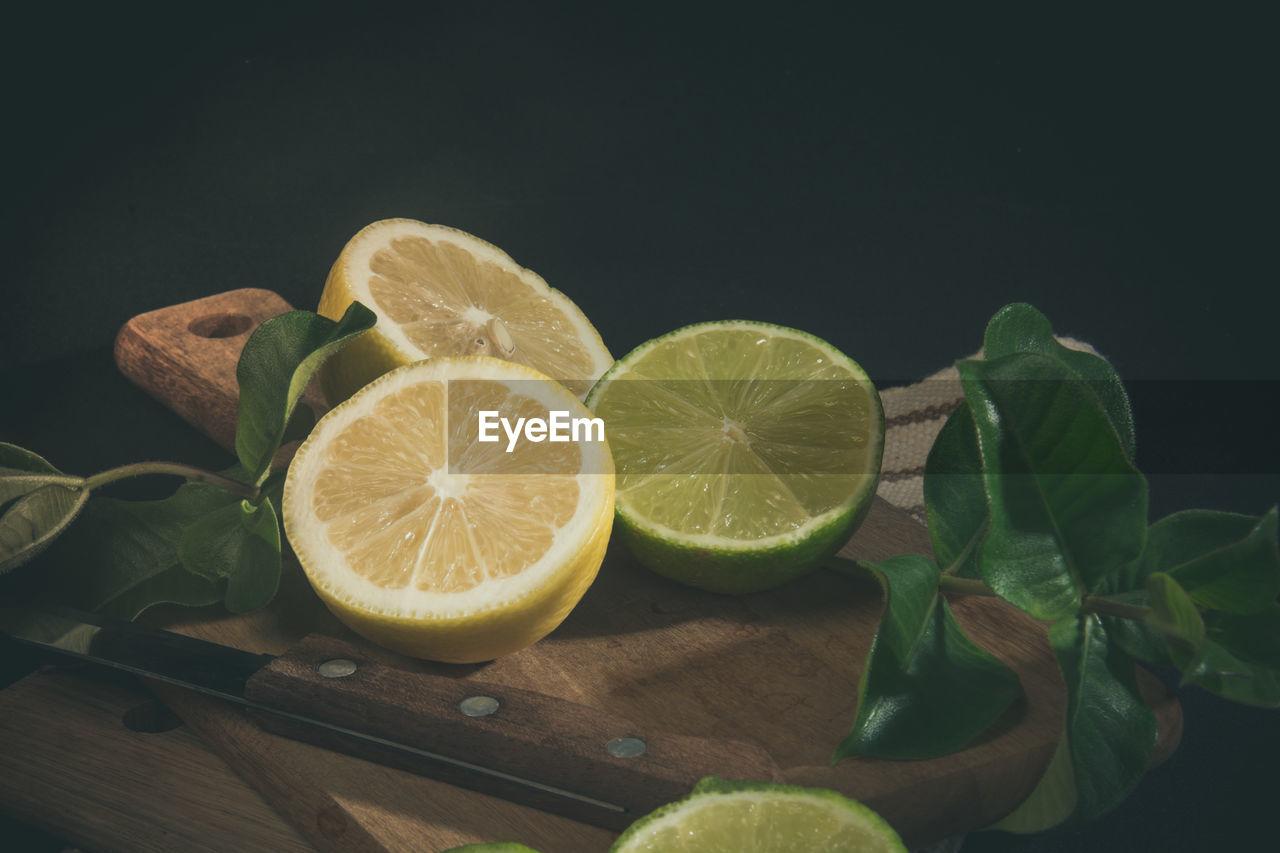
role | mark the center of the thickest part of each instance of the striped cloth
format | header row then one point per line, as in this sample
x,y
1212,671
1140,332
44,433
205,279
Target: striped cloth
x,y
914,415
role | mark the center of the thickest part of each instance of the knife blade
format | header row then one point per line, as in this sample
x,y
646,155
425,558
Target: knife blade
x,y
521,745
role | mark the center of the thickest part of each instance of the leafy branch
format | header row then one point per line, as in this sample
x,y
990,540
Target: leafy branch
x,y
217,538
1032,495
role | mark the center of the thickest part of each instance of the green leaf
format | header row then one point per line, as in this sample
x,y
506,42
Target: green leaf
x,y
1110,730
241,544
1173,613
22,472
1142,641
1051,801
955,497
111,559
1224,561
34,520
1223,674
1252,637
275,366
1020,328
174,585
44,502
926,688
1067,506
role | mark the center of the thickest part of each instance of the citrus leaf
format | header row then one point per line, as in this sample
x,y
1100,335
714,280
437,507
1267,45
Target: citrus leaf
x,y
1141,640
107,560
22,472
1051,801
1021,328
238,543
275,366
926,688
1173,613
1252,637
1067,506
45,502
34,520
174,585
1224,561
1109,729
1223,674
955,498
21,459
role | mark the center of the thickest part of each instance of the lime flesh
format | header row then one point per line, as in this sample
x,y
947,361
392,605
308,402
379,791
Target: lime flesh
x,y
747,453
757,817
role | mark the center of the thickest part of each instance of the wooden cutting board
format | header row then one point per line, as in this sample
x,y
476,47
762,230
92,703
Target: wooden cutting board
x,y
780,668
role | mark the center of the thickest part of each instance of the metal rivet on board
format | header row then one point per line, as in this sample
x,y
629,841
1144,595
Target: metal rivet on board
x,y
338,668
478,706
626,747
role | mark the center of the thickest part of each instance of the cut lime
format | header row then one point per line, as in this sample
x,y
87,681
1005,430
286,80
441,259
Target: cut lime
x,y
760,817
747,453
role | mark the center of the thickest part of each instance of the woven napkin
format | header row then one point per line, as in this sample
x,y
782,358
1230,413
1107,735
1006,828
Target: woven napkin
x,y
913,417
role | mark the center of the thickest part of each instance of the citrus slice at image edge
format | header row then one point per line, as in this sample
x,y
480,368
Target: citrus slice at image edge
x,y
427,541
746,453
760,817
438,291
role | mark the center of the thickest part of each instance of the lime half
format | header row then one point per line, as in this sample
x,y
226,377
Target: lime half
x,y
760,817
746,453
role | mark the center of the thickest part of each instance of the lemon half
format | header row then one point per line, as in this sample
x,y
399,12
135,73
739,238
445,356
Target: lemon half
x,y
438,291
430,542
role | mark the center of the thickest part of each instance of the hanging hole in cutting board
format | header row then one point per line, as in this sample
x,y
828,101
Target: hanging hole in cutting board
x,y
226,325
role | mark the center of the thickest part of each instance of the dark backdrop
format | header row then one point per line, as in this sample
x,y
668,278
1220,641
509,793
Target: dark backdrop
x,y
885,184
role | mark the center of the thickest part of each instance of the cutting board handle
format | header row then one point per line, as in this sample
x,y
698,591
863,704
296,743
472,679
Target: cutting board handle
x,y
537,749
185,356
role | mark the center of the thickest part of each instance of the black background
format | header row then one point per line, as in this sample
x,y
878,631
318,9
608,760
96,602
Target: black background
x,y
886,184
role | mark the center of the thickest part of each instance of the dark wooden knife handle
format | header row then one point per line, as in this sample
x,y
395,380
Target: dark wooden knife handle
x,y
562,747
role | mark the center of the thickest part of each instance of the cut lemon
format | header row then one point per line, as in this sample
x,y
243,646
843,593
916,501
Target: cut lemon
x,y
747,453
429,541
760,817
439,291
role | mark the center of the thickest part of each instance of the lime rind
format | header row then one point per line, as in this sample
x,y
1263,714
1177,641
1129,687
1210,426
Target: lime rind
x,y
760,817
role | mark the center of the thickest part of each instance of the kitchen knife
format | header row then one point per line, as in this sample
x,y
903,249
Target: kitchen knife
x,y
524,746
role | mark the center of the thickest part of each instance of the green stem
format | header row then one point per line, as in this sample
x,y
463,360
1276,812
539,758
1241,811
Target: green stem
x,y
1106,607
964,586
190,472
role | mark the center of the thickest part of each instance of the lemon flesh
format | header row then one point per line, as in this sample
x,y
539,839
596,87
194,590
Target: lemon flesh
x,y
747,453
438,291
758,817
430,542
